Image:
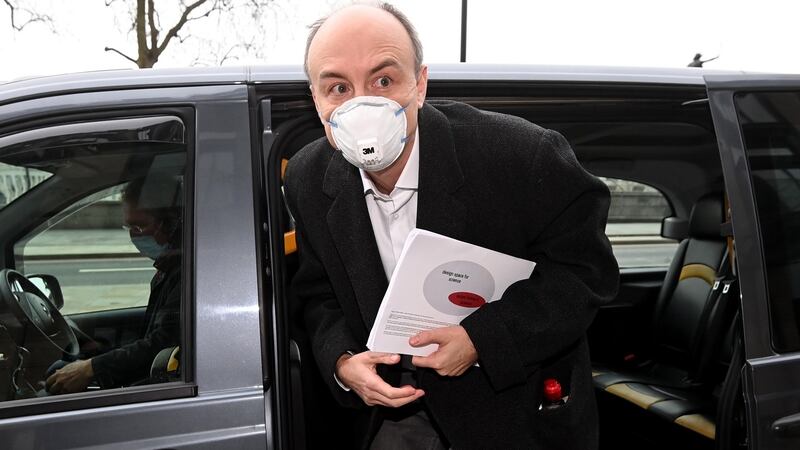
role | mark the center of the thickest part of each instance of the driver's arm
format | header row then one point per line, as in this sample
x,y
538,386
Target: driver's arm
x,y
131,362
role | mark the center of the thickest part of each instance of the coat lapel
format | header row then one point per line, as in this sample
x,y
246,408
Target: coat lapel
x,y
440,176
351,230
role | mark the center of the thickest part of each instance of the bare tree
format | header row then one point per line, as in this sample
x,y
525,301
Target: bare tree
x,y
146,23
22,16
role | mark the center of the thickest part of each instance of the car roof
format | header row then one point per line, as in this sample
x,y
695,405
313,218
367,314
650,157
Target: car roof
x,y
130,78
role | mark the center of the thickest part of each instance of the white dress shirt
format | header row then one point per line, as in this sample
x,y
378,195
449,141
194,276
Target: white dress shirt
x,y
393,216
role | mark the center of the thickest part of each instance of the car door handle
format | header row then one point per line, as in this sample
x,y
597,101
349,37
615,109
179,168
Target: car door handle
x,y
787,426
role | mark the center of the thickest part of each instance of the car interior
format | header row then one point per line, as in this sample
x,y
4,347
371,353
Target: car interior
x,y
56,300
662,350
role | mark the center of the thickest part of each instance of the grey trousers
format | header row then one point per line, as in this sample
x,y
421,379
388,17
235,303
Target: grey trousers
x,y
413,432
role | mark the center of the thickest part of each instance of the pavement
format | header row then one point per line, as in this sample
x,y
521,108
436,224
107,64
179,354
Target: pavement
x,y
68,244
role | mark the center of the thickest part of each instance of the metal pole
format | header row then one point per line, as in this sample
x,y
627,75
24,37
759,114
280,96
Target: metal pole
x,y
463,31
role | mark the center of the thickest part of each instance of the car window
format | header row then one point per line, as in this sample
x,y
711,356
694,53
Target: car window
x,y
634,225
96,278
771,133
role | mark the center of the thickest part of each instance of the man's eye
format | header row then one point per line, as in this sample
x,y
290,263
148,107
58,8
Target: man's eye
x,y
339,89
384,82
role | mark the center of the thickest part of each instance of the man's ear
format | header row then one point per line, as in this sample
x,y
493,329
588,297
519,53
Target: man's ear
x,y
422,85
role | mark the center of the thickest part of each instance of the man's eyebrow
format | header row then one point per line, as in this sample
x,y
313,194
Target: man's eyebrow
x,y
384,64
330,74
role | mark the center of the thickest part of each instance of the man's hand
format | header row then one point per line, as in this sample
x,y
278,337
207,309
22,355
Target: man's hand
x,y
456,352
358,372
74,377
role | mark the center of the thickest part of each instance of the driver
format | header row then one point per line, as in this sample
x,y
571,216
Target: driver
x,y
154,223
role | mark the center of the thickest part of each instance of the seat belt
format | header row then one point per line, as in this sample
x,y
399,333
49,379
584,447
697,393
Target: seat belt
x,y
727,230
715,317
722,308
731,430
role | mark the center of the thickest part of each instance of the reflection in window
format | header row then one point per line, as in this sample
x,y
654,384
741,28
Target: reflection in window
x,y
16,180
772,139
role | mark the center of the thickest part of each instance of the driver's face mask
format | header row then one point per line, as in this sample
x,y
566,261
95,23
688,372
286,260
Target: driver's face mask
x,y
148,246
369,131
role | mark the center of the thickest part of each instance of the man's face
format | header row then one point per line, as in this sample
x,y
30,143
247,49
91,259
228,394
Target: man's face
x,y
140,222
363,51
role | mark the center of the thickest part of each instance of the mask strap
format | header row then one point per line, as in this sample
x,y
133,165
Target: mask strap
x,y
329,122
397,113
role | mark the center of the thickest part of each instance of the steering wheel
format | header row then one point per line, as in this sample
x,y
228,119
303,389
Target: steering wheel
x,y
31,308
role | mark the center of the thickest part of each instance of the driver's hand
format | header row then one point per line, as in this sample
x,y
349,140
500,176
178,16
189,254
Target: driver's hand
x,y
358,372
74,377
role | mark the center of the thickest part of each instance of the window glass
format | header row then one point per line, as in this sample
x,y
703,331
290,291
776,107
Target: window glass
x,y
95,283
634,225
16,180
771,129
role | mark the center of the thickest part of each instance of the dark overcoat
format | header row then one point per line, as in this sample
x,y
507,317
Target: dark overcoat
x,y
496,181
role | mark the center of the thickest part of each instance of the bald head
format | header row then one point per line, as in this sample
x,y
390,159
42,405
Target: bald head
x,y
358,15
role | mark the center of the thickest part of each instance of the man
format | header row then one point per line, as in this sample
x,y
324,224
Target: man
x,y
485,178
152,217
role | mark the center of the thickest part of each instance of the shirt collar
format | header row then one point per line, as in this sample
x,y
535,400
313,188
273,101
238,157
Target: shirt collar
x,y
409,178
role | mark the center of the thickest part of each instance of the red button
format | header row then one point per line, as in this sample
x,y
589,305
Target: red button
x,y
552,390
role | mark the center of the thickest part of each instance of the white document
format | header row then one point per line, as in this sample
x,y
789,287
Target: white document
x,y
438,282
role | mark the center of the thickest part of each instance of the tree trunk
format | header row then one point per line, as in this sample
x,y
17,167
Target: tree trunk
x,y
145,59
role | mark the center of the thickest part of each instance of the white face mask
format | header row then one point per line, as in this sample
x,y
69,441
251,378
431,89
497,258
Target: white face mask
x,y
369,131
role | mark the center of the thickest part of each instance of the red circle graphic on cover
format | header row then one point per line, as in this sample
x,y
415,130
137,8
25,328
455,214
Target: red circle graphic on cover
x,y
466,299
458,287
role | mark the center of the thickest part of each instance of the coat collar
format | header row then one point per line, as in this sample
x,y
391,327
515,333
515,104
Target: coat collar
x,y
438,210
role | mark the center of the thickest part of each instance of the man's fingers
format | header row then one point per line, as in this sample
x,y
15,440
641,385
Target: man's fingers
x,y
376,398
50,381
54,388
431,361
426,337
383,358
385,389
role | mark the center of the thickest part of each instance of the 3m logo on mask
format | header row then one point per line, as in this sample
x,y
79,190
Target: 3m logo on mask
x,y
368,151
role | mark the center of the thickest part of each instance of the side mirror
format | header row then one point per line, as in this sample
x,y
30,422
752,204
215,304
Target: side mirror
x,y
50,286
675,228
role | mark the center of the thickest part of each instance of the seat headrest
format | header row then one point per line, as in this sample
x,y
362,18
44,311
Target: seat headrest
x,y
706,217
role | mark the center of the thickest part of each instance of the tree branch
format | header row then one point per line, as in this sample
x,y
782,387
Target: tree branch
x,y
181,22
33,16
109,49
228,55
